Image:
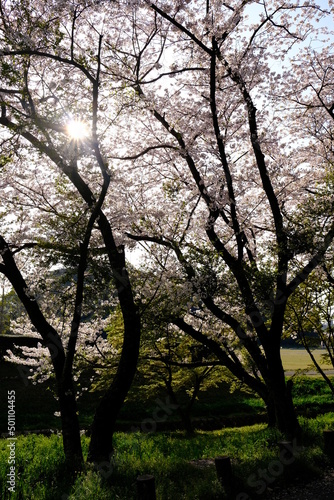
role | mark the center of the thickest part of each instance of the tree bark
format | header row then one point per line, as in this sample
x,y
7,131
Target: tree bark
x,y
271,412
103,427
186,421
70,425
280,399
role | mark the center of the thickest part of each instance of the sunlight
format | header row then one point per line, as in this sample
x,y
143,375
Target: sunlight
x,y
77,130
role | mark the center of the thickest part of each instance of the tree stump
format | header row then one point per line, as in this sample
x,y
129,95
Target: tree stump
x,y
146,487
329,444
224,472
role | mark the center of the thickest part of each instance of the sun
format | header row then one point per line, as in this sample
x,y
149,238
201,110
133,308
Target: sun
x,y
77,130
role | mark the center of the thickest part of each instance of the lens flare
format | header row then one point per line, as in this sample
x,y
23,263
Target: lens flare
x,y
77,130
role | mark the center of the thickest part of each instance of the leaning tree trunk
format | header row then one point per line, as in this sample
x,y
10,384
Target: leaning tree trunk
x,y
103,427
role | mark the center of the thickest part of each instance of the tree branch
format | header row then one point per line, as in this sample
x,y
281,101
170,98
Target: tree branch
x,y
37,53
311,265
49,335
178,25
146,150
235,366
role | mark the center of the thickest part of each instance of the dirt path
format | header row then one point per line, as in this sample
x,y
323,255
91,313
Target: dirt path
x,y
319,489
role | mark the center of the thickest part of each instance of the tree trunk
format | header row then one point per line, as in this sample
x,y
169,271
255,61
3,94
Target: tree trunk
x,y
70,425
286,418
103,427
183,412
280,398
187,423
271,412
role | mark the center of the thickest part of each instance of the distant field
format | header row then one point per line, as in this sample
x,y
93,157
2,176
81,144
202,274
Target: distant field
x,y
299,359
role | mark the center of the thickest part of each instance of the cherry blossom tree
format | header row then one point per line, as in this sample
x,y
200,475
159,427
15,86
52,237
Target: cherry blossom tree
x,y
57,191
190,137
221,164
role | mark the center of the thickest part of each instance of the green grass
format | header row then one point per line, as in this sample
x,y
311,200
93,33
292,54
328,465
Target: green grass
x,y
42,474
299,359
312,395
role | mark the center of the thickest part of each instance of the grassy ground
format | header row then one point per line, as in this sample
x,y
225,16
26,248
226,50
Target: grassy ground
x,y
183,467
299,359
